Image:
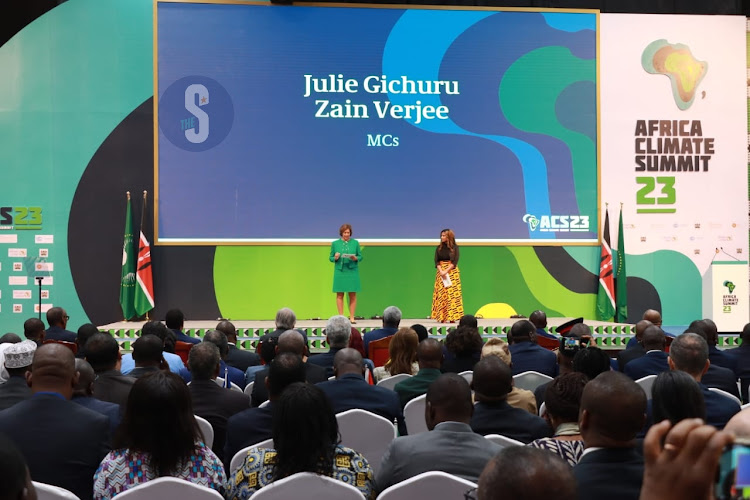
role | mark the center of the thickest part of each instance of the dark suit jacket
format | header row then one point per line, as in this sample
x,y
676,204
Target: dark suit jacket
x,y
62,442
458,364
417,385
246,428
14,391
57,333
182,337
110,410
377,334
241,359
114,387
611,473
742,355
352,391
651,363
721,358
719,409
216,404
531,357
628,355
325,359
313,373
235,376
721,378
515,423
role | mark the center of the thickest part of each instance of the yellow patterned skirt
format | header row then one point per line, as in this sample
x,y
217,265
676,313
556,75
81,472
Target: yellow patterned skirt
x,y
447,303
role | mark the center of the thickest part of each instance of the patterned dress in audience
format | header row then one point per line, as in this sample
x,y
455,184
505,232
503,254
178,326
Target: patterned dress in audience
x,y
256,472
121,470
570,451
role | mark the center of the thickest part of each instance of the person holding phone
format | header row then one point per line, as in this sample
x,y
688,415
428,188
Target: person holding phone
x,y
447,302
346,254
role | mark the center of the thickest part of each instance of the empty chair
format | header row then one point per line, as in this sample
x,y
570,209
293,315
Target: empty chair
x,y
435,485
468,375
249,388
308,485
169,488
49,492
414,415
182,349
503,440
367,433
240,455
206,429
530,380
725,393
647,383
378,350
390,382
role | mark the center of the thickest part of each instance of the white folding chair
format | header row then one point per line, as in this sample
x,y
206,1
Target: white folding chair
x,y
46,491
414,415
367,433
390,382
264,403
240,455
206,429
308,485
646,384
530,380
435,485
169,488
746,405
726,394
468,375
220,381
249,388
503,441
542,409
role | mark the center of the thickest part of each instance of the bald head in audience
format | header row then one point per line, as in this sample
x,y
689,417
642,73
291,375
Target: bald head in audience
x,y
286,369
228,329
448,400
613,411
492,380
292,341
347,361
689,353
653,316
524,473
429,354
640,328
654,339
53,370
86,376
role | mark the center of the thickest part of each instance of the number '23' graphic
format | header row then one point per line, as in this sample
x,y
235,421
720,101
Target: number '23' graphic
x,y
648,196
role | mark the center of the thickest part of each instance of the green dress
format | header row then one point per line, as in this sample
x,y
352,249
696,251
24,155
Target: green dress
x,y
345,270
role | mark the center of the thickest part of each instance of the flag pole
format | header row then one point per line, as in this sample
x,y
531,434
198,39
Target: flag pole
x,y
143,214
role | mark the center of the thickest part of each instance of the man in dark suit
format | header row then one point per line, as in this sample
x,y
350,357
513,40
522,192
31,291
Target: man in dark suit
x,y
613,410
715,355
430,358
175,321
716,376
210,401
237,358
350,390
655,360
689,353
492,383
103,354
338,332
234,375
147,355
18,358
83,394
290,341
742,355
57,319
85,332
636,351
33,329
539,320
391,319
254,424
63,443
652,316
527,355
449,446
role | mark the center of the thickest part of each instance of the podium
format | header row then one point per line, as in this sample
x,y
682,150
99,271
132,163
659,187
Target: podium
x,y
725,295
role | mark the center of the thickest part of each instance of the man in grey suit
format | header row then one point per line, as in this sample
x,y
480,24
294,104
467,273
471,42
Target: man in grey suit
x,y
450,446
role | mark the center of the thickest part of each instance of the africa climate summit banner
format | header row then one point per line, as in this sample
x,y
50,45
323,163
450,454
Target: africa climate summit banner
x,y
674,131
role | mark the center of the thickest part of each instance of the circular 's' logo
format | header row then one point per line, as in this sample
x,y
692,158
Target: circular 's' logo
x,y
196,113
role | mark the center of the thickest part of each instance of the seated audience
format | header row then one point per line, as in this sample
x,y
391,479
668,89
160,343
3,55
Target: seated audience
x,y
527,355
253,425
237,358
103,354
562,403
10,338
539,320
83,395
676,396
517,398
613,410
421,331
492,414
464,346
173,360
402,352
356,342
524,473
290,341
350,390
655,360
652,316
715,355
636,350
450,446
575,339
338,332
85,332
430,359
228,373
57,319
742,355
17,361
591,361
689,353
15,478
716,376
306,439
33,329
158,437
147,354
391,319
62,442
285,320
175,321
210,401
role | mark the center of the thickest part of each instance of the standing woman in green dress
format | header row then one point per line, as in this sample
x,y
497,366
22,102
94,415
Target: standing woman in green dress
x,y
346,255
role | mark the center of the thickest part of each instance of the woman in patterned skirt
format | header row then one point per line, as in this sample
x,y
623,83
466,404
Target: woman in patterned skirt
x,y
447,303
346,255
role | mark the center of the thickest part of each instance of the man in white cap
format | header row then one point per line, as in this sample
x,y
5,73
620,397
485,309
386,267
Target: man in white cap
x,y
17,360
